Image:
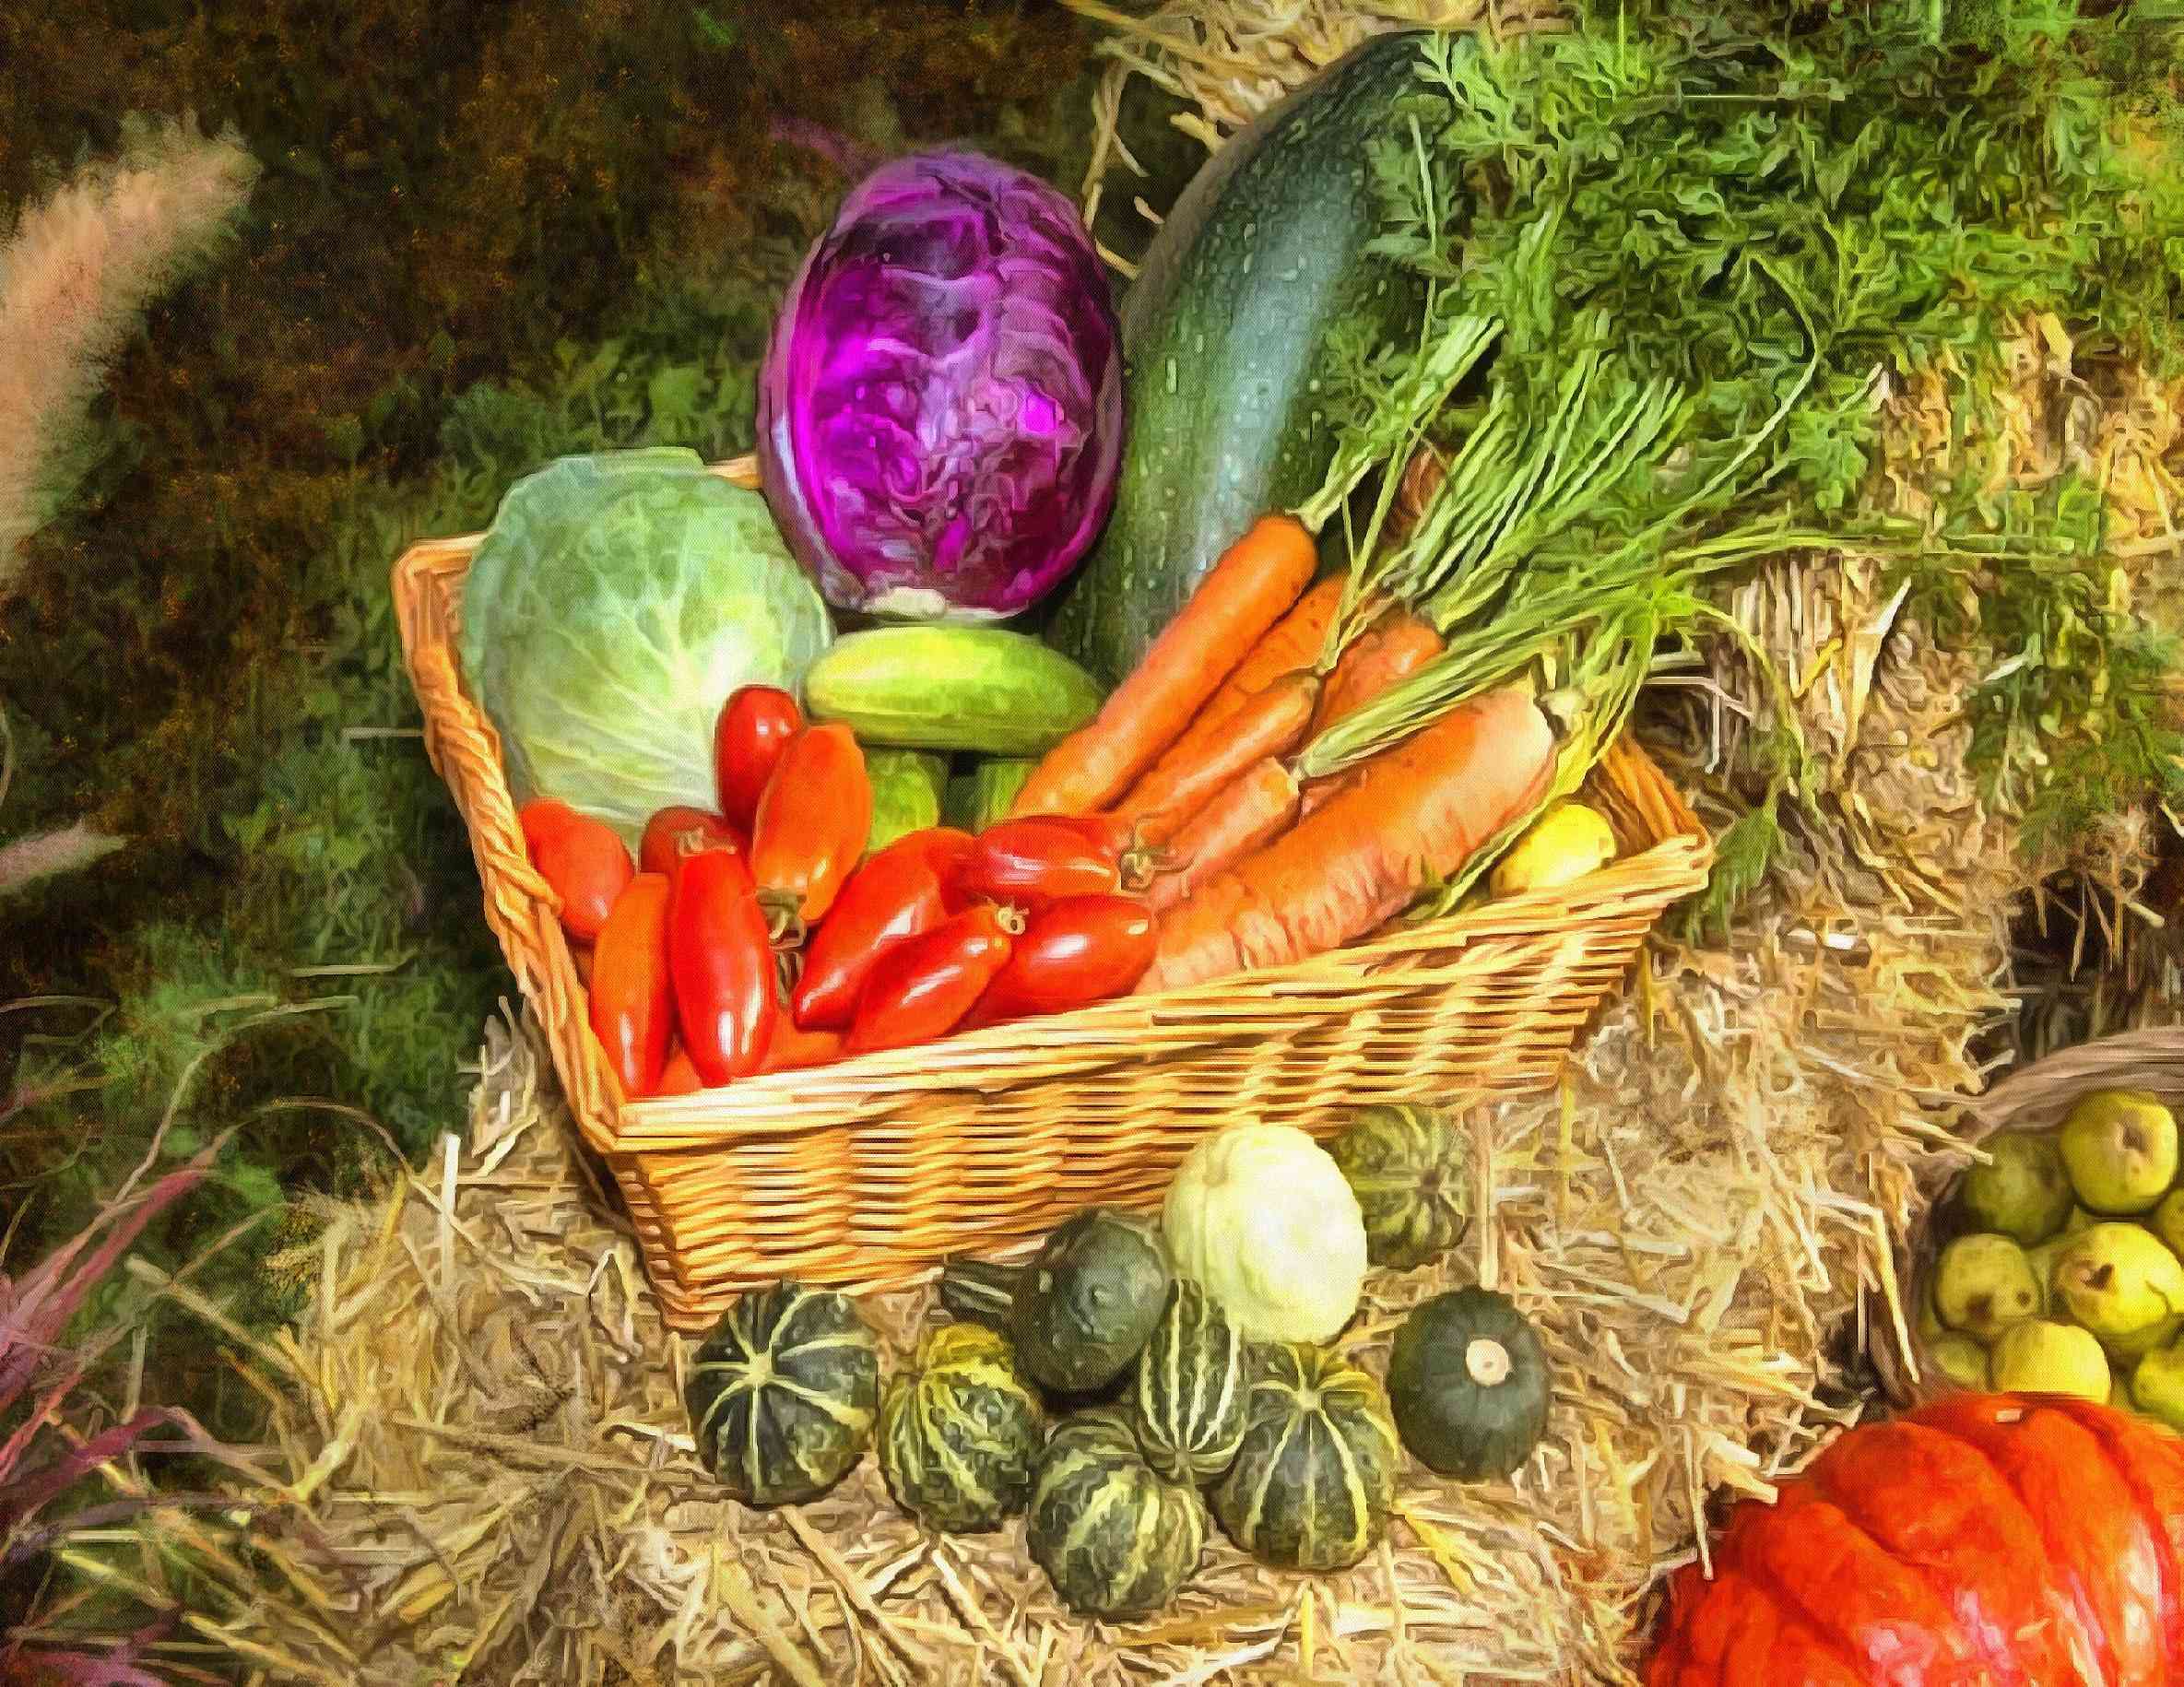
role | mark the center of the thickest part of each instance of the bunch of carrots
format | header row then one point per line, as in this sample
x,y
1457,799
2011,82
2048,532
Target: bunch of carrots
x,y
1197,752
763,937
1317,759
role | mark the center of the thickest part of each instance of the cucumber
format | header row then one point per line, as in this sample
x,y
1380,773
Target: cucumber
x,y
906,787
980,688
979,798
1225,342
958,801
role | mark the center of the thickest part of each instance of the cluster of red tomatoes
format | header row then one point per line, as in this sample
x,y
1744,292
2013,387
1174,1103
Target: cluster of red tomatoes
x,y
762,937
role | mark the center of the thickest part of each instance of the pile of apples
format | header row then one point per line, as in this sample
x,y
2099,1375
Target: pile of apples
x,y
2066,1273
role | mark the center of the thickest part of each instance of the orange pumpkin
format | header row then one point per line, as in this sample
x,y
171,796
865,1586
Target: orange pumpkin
x,y
1985,1541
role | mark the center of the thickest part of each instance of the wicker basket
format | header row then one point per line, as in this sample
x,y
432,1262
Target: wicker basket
x,y
2034,1099
865,1173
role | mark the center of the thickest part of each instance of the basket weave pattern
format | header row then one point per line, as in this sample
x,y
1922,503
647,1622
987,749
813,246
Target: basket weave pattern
x,y
865,1173
2037,1097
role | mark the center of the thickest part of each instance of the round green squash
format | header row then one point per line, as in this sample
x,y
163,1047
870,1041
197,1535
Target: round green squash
x,y
782,1393
1315,1473
1083,1306
1115,1538
1190,1384
1469,1381
959,1434
1410,1168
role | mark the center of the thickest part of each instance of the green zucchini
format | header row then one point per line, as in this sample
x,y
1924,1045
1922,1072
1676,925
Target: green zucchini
x,y
984,795
906,790
1227,337
980,688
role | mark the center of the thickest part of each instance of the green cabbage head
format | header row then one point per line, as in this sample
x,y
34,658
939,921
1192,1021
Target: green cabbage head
x,y
609,610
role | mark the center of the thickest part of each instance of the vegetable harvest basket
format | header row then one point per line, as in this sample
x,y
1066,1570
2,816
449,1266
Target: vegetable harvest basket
x,y
864,1175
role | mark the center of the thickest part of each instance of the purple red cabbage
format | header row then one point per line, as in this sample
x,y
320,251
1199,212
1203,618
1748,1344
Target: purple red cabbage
x,y
940,412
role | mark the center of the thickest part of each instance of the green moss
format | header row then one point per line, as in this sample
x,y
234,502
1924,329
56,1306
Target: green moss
x,y
486,236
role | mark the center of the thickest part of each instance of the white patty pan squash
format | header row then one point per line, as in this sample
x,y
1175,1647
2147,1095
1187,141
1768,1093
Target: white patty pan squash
x,y
1261,1216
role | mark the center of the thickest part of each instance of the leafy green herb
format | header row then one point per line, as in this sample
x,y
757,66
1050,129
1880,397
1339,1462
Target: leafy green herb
x,y
1742,855
1770,216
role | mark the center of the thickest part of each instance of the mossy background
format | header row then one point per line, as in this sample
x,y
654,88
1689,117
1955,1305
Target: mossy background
x,y
485,235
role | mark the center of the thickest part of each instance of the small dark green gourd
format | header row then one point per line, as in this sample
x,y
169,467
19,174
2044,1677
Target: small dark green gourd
x,y
1081,1310
959,1434
1315,1473
782,1395
1469,1384
1190,1386
1115,1538
1410,1168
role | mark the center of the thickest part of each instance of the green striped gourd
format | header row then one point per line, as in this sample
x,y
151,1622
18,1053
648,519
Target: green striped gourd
x,y
1410,1168
782,1393
1315,1476
1191,1385
1115,1538
958,1435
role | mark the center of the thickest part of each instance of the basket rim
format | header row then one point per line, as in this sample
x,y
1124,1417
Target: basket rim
x,y
2038,1091
431,568
962,1060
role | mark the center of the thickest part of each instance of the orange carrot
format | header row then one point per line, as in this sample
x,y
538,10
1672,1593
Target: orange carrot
x,y
1295,641
1250,588
1270,722
1316,793
792,1048
1393,648
1412,814
1246,814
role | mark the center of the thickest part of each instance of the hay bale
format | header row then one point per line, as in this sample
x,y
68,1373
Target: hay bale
x,y
488,1457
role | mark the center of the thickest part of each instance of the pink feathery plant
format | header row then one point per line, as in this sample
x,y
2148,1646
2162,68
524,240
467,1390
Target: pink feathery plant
x,y
43,1457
